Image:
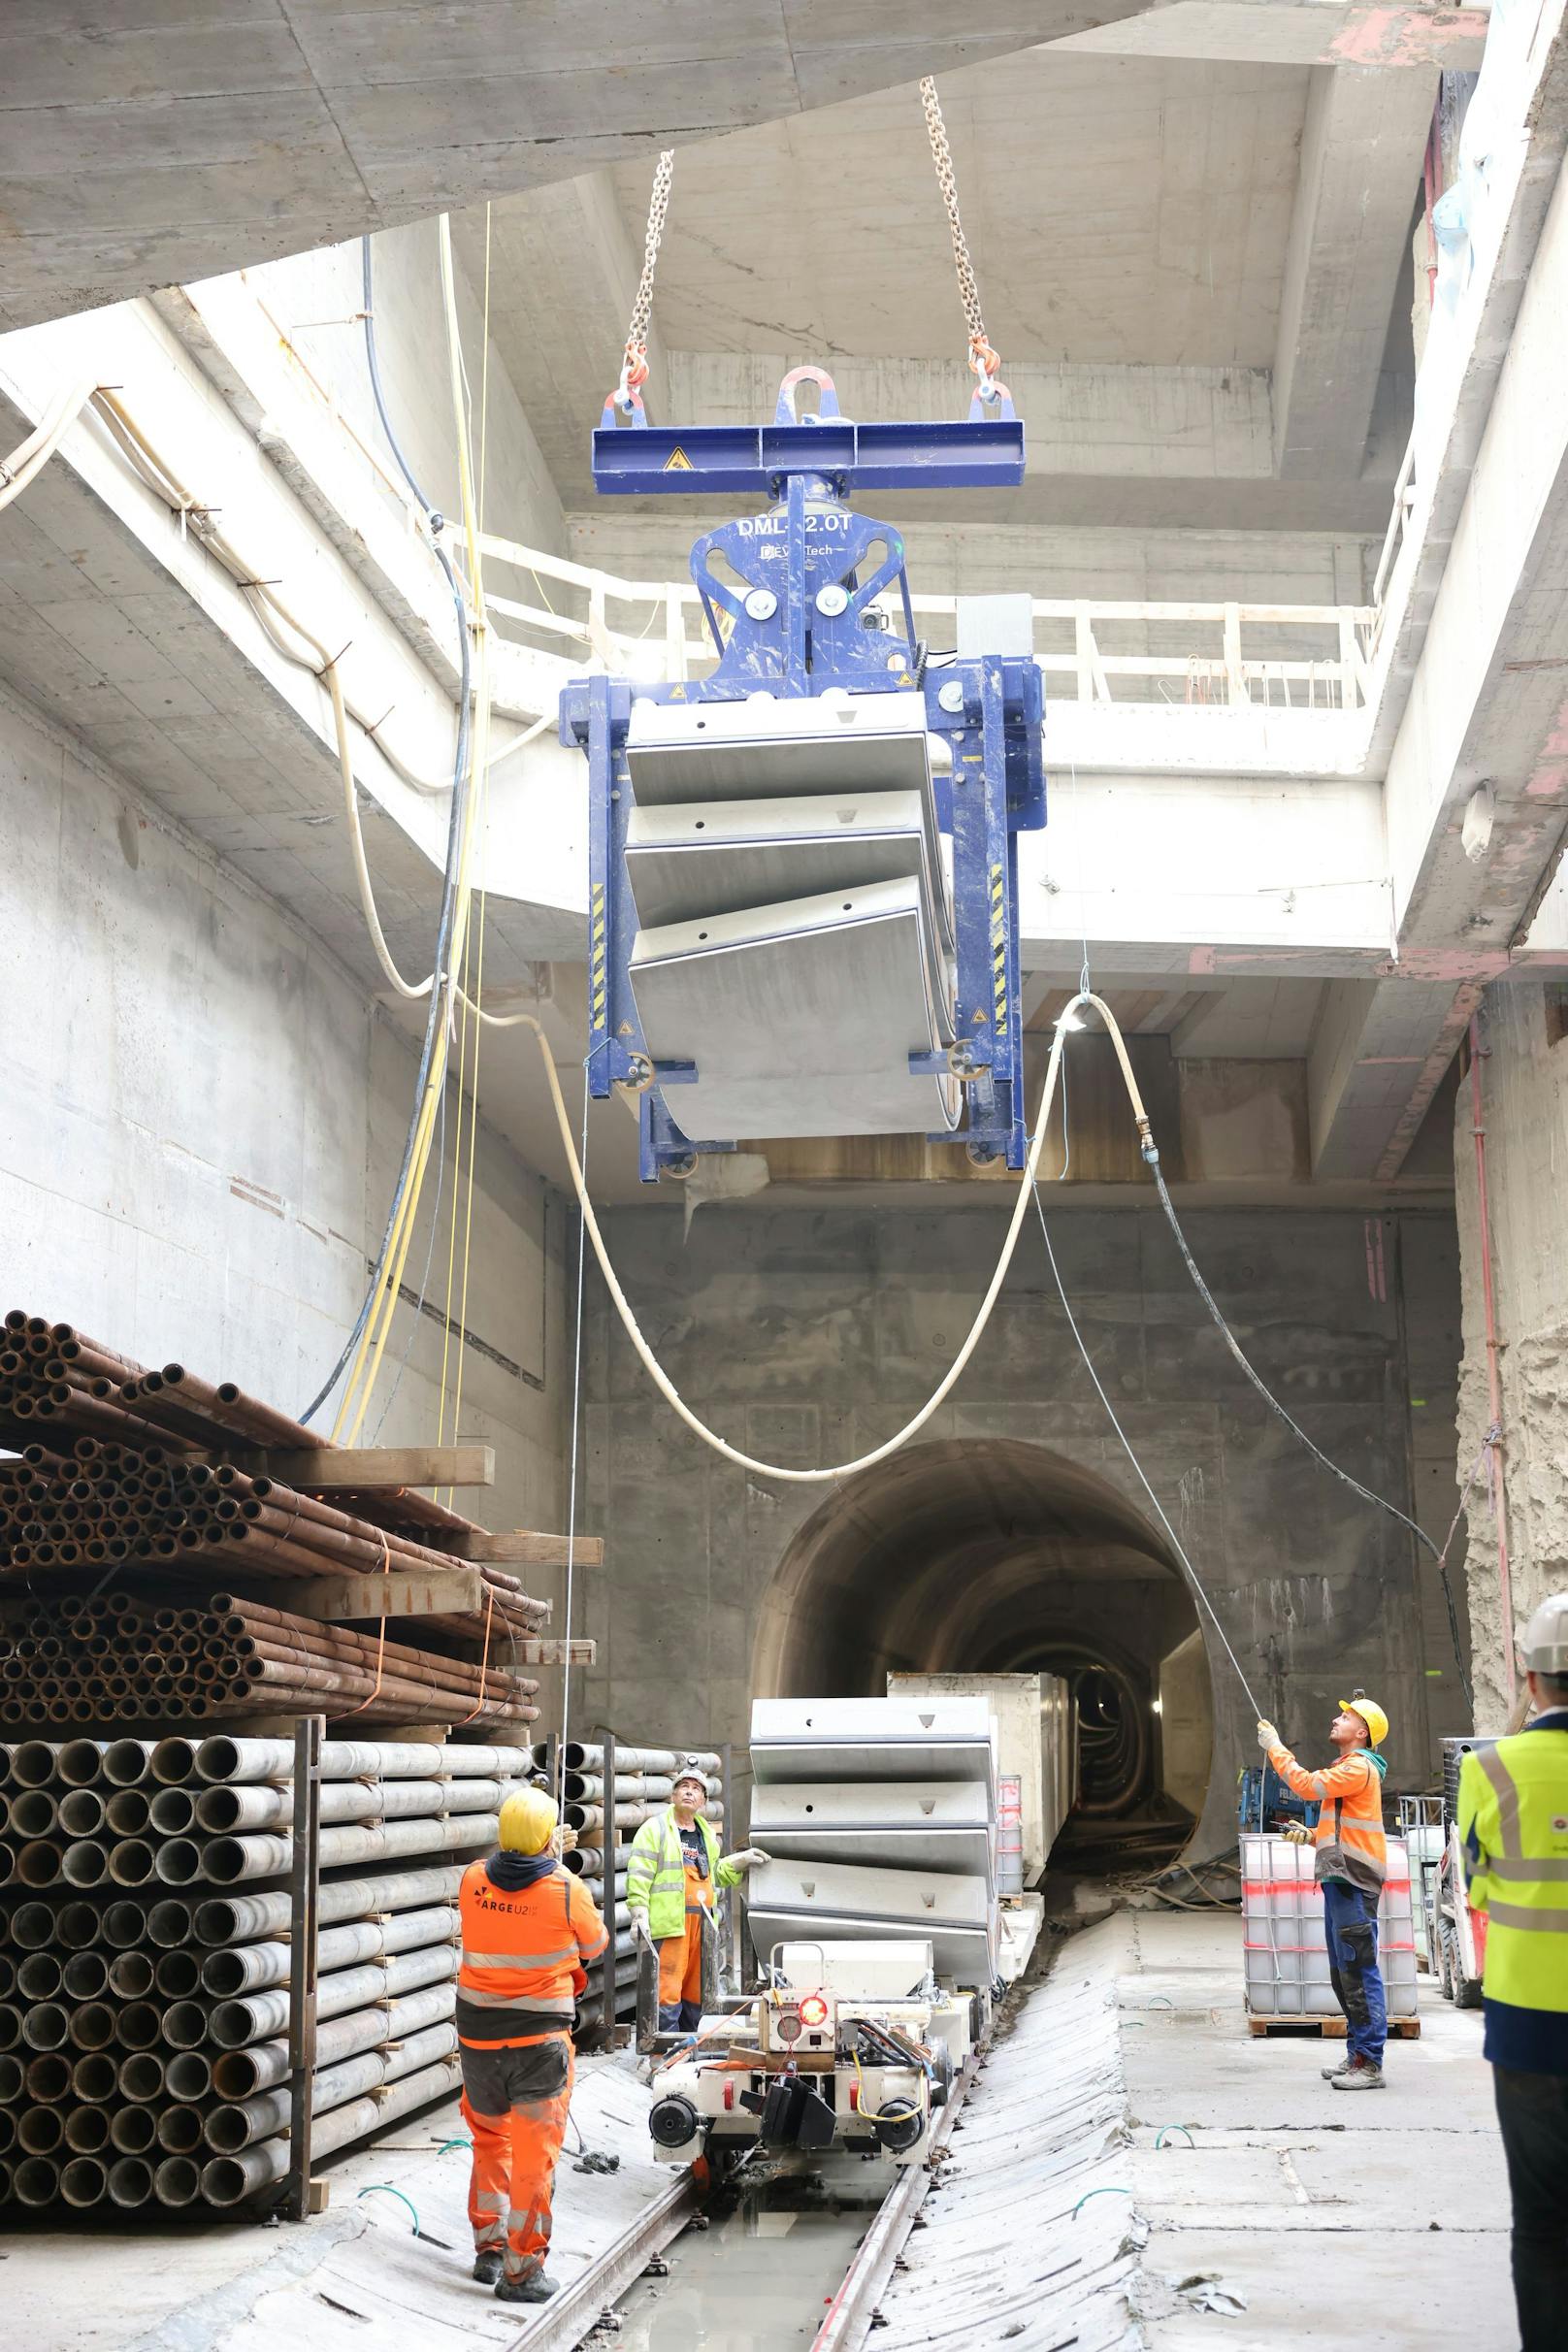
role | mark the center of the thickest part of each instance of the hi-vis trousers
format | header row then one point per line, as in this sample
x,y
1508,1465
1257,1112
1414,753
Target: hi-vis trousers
x,y
515,2100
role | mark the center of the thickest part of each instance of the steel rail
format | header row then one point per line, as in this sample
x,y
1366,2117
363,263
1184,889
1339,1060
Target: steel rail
x,y
563,2323
852,2313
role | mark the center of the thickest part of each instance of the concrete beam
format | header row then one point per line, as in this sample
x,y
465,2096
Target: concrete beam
x,y
1378,1055
1361,150
146,145
1296,32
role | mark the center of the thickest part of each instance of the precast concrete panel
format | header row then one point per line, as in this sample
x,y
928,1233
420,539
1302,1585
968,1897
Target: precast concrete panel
x,y
697,857
801,1018
940,1825
871,1740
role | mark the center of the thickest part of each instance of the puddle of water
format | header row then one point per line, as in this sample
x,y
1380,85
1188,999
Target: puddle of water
x,y
759,2279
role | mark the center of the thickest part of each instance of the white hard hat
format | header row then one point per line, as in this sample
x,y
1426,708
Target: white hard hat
x,y
688,1768
1544,1643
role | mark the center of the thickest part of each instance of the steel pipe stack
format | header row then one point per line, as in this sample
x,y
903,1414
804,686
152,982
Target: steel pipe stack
x,y
112,1657
144,2050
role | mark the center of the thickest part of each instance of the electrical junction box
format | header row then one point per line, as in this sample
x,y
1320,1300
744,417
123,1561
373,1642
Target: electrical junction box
x,y
995,625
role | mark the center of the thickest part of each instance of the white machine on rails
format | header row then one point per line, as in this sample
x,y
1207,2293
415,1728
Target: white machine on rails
x,y
880,1924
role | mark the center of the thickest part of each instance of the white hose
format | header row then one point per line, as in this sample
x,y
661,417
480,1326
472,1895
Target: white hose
x,y
29,457
656,1371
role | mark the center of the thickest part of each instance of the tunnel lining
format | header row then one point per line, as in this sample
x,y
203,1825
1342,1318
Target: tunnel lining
x,y
990,1555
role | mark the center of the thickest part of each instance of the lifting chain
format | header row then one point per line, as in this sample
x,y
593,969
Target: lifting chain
x,y
986,362
635,364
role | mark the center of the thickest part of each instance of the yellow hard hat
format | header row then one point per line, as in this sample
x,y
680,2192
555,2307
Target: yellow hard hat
x,y
528,1820
1371,1715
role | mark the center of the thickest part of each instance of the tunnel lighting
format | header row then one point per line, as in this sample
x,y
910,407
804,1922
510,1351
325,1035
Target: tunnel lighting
x,y
1158,1706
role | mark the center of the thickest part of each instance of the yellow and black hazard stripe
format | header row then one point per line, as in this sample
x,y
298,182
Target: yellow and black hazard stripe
x,y
999,948
597,957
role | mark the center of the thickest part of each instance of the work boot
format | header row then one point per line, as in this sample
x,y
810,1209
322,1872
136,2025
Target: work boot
x,y
536,2287
1331,2073
487,2265
1360,2075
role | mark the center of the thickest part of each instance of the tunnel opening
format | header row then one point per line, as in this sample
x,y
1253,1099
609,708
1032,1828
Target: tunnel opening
x,y
992,1556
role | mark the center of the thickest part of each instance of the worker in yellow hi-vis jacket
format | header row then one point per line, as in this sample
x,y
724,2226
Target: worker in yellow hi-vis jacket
x,y
1514,1837
674,1873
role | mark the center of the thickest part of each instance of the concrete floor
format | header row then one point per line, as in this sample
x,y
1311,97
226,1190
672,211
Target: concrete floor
x,y
1379,2221
357,2275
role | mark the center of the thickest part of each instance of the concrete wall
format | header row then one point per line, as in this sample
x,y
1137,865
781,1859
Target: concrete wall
x,y
1524,1110
810,1336
204,1118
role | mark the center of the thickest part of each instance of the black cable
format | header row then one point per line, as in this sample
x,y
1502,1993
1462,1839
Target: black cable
x,y
461,781
1152,1156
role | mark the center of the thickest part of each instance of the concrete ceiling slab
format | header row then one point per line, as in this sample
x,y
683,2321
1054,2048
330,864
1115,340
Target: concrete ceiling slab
x,y
148,141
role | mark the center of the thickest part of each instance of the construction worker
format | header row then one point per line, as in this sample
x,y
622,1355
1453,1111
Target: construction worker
x,y
674,1873
1513,1837
1352,1860
528,1934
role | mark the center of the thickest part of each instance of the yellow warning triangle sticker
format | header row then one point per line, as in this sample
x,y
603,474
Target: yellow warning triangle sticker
x,y
677,462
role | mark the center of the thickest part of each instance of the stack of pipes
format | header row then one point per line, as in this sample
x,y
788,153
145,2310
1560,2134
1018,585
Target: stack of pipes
x,y
106,1505
644,1784
144,2051
113,1658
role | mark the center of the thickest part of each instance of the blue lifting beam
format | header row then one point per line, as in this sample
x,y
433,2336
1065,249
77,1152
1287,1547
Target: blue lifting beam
x,y
794,614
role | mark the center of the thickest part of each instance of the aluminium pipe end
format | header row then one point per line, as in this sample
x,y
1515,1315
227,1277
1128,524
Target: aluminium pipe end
x,y
132,1862
124,1925
85,1976
94,2078
94,2026
80,1762
188,2079
178,1976
49,2079
185,2025
35,2181
140,2023
141,2079
32,1764
12,2075
176,2181
40,1978
131,1975
84,2182
177,1861
82,1812
174,1762
172,1811
40,2129
45,2026
39,1865
87,2130
168,1923
34,1813
127,1762
84,1864
180,2130
133,2130
130,2182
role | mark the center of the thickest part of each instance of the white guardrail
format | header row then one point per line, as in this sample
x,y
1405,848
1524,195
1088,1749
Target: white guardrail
x,y
1286,657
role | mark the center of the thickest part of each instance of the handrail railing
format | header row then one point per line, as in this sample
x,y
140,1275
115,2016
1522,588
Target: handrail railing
x,y
1076,639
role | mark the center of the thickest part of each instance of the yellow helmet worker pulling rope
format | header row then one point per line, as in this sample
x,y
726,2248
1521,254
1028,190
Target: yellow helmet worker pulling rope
x,y
1371,1715
528,1820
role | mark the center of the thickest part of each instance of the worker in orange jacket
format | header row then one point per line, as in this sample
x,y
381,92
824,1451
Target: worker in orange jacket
x,y
529,1932
1351,1864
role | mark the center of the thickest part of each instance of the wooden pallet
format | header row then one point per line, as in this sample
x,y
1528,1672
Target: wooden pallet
x,y
1331,2029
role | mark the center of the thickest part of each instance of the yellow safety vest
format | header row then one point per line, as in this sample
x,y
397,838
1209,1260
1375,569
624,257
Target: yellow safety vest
x,y
1513,1823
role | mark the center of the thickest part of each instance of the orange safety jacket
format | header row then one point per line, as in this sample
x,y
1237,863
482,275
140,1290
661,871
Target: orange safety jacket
x,y
525,1956
1349,1836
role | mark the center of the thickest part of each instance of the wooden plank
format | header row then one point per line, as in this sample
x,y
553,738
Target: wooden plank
x,y
365,1467
415,1592
522,1547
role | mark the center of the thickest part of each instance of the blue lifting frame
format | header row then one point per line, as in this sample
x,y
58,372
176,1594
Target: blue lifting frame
x,y
991,707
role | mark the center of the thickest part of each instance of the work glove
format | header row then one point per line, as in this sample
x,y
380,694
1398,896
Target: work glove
x,y
745,1857
1297,1833
1267,1736
641,1935
566,1841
